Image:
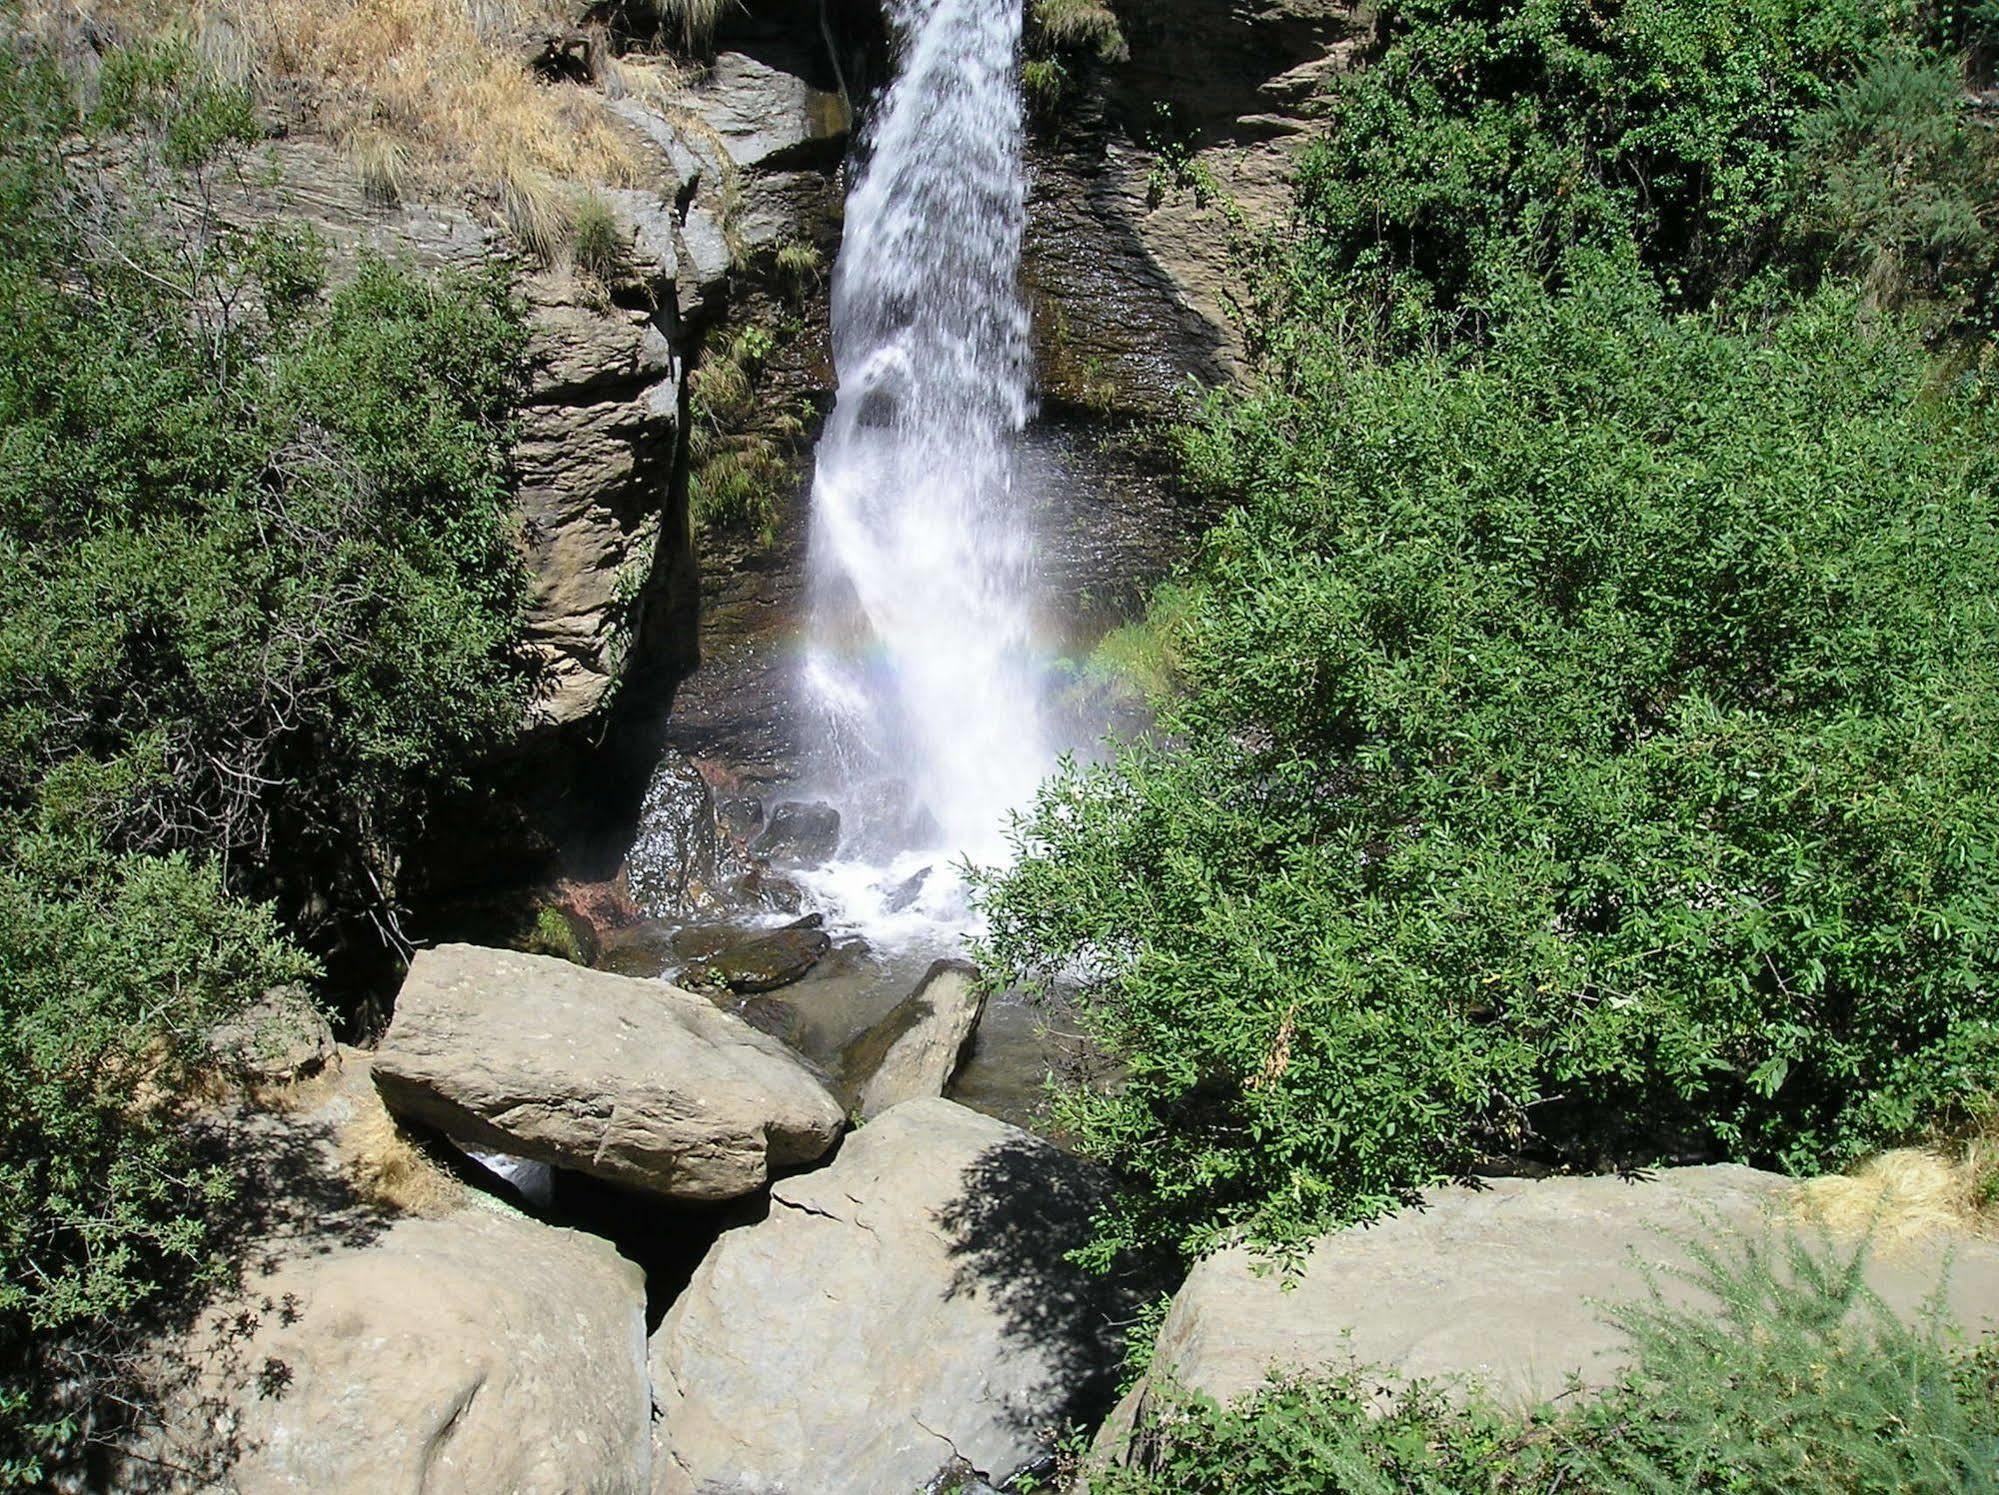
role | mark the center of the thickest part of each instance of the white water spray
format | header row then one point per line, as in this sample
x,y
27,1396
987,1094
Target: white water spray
x,y
920,662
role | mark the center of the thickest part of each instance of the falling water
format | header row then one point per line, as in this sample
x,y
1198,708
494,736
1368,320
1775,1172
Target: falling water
x,y
920,664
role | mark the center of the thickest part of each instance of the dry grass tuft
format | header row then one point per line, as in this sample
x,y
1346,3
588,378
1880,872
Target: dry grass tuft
x,y
1082,25
417,91
1905,1196
385,1168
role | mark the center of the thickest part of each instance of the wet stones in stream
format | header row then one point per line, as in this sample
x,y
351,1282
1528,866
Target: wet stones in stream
x,y
799,834
728,958
914,1051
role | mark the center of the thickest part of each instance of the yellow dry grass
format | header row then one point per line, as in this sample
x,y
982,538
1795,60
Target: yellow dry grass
x,y
418,91
385,1168
1909,1195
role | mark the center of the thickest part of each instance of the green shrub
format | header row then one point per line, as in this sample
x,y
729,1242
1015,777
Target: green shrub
x,y
260,603
596,243
1087,27
1898,180
741,444
1586,747
161,87
1494,137
1800,1385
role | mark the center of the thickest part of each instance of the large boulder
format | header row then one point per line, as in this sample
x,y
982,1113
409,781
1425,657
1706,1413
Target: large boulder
x,y
1504,1285
477,1352
389,1328
914,1051
281,1036
904,1307
632,1081
671,867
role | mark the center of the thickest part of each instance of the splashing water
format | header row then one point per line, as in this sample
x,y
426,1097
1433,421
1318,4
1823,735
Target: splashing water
x,y
920,665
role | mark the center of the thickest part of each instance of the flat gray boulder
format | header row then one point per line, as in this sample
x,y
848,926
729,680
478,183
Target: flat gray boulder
x,y
907,1306
477,1352
629,1080
1505,1285
914,1051
465,1348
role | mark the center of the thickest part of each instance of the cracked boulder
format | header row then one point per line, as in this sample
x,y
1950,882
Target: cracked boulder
x,y
906,1310
631,1081
917,1048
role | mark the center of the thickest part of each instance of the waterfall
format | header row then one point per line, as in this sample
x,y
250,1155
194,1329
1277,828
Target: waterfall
x,y
920,665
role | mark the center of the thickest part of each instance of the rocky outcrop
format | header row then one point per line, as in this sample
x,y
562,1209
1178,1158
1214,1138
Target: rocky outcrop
x,y
282,1036
630,1081
459,1347
480,1351
1504,1285
914,1051
905,1307
613,580
1143,188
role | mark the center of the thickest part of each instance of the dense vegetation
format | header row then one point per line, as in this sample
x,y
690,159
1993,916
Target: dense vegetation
x,y
1799,1383
259,603
1581,735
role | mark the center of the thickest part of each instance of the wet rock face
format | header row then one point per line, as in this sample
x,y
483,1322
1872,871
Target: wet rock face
x,y
672,866
799,834
748,961
634,1082
1130,269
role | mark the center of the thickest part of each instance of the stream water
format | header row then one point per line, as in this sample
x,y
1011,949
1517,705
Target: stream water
x,y
921,671
956,558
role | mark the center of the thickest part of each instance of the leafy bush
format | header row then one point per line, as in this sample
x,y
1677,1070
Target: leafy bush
x,y
1800,1384
259,603
1898,182
741,442
1494,137
1586,747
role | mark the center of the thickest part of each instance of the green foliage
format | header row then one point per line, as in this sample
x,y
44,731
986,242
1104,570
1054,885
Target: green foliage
x,y
1065,38
1141,659
1800,1384
259,603
1492,138
596,243
1087,27
1045,82
552,934
1586,746
112,969
741,443
1898,181
161,88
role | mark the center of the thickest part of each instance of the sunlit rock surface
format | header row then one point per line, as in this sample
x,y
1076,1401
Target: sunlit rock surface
x,y
905,1306
631,1081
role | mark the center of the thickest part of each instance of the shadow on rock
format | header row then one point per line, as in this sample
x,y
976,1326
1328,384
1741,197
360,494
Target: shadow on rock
x,y
1025,1209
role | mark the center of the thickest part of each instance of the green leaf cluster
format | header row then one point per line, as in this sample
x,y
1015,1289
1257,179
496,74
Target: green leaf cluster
x,y
1586,746
260,603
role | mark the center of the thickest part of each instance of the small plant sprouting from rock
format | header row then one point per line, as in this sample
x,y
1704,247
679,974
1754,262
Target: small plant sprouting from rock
x,y
552,933
1063,38
798,267
1087,27
598,246
740,444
